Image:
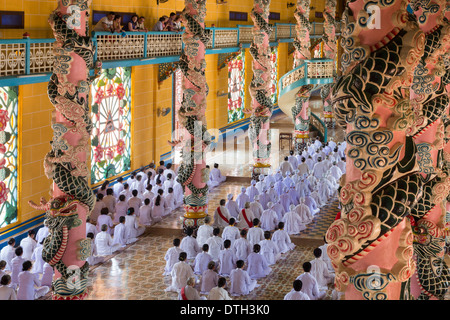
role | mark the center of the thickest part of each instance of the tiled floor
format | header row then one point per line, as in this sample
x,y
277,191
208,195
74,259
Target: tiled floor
x,y
136,272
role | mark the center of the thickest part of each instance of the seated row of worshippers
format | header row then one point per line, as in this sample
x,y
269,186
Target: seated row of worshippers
x,y
215,265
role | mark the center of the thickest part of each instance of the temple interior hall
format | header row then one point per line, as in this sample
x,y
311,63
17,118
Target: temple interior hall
x,y
223,96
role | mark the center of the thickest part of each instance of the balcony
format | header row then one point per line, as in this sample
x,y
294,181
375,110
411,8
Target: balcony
x,y
31,60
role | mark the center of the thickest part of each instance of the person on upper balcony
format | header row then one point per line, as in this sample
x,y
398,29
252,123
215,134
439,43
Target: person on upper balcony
x,y
161,25
106,23
141,24
117,24
133,24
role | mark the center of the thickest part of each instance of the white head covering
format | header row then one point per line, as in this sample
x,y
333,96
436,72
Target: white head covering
x,y
270,204
230,196
253,182
256,198
261,177
292,207
243,189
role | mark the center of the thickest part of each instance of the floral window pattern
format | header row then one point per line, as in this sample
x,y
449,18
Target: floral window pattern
x,y
111,118
274,64
236,93
8,154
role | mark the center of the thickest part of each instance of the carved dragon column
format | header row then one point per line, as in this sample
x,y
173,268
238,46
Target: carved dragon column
x,y
66,248
261,105
430,102
371,244
302,43
329,49
193,173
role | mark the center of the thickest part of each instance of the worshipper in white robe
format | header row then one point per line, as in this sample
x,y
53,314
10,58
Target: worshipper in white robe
x,y
104,242
181,272
279,210
286,166
188,292
256,207
216,177
178,194
105,219
285,199
282,239
103,188
201,260
118,187
278,176
16,266
170,200
310,286
303,167
320,168
255,234
241,246
221,215
319,270
119,233
158,209
294,195
90,227
42,233
205,231
296,292
227,259
210,278
260,184
317,198
135,202
232,206
326,258
279,187
7,253
257,264
219,293
273,194
38,265
7,292
269,218
264,198
269,249
324,190
99,205
172,256
304,213
292,221
251,191
148,194
131,179
292,159
240,281
215,243
242,198
132,228
126,191
342,165
29,284
288,182
121,208
269,178
168,183
189,245
231,232
245,217
93,259
311,203
47,275
110,200
159,179
28,244
145,213
310,162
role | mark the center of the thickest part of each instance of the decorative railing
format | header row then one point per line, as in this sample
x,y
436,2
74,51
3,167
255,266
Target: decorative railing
x,y
23,57
319,125
314,71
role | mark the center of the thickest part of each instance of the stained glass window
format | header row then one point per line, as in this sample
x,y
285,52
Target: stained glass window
x,y
8,154
274,64
111,117
236,93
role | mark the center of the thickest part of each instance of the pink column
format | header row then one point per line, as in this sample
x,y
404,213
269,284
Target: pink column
x,y
261,105
66,248
193,173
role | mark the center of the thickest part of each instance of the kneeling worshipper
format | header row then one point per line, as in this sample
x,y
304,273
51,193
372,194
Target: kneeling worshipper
x,y
242,198
310,286
232,206
209,279
202,260
104,242
240,281
227,259
219,293
215,244
172,256
319,270
252,191
204,231
296,292
281,238
181,272
257,264
246,217
269,218
311,203
221,215
188,292
304,212
293,221
256,207
189,245
269,249
215,177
